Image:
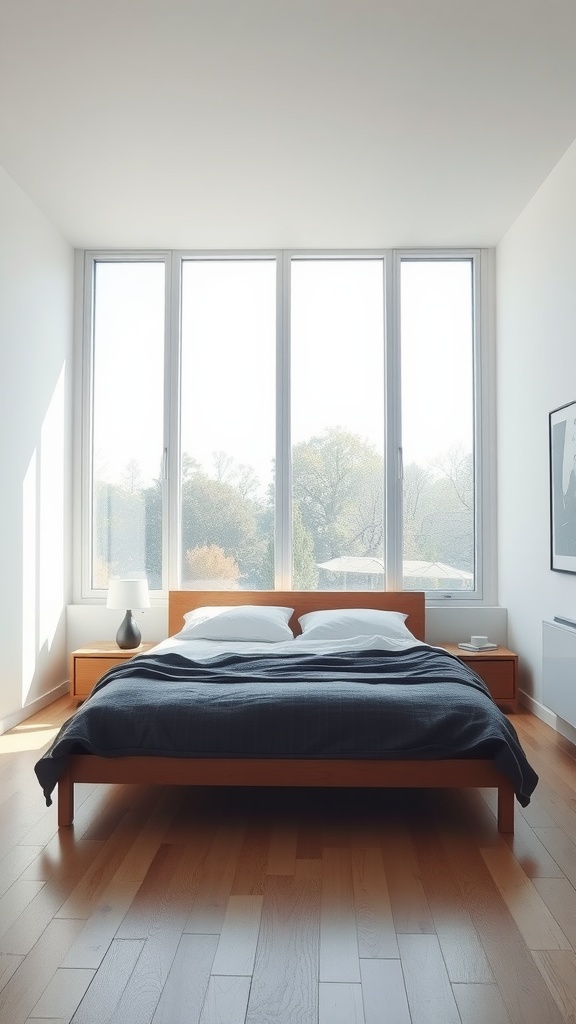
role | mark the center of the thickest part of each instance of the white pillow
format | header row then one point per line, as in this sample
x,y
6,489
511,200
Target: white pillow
x,y
245,622
346,623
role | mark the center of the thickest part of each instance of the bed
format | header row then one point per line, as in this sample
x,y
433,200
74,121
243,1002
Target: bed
x,y
329,730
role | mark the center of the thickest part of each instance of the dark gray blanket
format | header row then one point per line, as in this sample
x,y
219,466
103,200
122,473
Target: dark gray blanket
x,y
420,703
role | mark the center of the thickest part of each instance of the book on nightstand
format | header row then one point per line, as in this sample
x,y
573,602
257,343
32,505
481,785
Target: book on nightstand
x,y
480,647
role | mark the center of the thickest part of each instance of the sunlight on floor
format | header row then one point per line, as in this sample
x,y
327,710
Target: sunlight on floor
x,y
27,737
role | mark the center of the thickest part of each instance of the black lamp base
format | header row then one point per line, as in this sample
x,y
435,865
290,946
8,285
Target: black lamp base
x,y
128,636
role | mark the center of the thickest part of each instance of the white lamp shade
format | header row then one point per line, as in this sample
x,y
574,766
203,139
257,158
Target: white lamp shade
x,y
128,594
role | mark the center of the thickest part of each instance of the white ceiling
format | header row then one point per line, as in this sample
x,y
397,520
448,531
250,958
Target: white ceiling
x,y
285,123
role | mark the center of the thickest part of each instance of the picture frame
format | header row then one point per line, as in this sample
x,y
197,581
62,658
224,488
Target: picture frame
x,y
562,442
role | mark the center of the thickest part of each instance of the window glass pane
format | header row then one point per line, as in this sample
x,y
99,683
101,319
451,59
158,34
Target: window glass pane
x,y
438,424
127,422
228,423
337,386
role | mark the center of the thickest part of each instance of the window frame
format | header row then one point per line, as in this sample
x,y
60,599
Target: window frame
x,y
484,418
483,403
84,419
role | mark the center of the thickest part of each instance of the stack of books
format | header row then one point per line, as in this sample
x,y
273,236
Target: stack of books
x,y
478,647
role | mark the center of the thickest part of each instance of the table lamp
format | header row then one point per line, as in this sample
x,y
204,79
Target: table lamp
x,y
128,594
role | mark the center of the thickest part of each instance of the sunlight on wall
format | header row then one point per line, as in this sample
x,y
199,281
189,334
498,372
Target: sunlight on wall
x,y
51,517
43,558
29,577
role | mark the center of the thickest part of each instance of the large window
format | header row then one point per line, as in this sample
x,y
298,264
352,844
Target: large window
x,y
283,419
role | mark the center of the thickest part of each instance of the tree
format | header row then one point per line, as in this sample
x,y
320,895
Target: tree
x,y
153,517
237,474
338,481
214,512
456,467
418,484
451,526
132,476
439,510
119,539
304,572
210,565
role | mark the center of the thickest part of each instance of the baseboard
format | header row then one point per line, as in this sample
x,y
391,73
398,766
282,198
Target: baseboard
x,y
538,709
541,711
30,709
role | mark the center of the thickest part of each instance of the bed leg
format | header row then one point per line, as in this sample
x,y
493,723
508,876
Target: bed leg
x,y
65,800
506,807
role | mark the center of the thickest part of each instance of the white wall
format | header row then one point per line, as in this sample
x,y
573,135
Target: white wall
x,y
536,372
36,308
88,622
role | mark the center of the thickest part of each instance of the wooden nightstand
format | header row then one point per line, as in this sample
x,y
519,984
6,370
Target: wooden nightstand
x,y
88,664
498,669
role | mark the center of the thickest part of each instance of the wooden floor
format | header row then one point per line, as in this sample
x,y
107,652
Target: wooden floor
x,y
175,906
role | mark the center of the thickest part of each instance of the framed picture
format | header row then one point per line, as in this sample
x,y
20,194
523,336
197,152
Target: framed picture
x,y
563,488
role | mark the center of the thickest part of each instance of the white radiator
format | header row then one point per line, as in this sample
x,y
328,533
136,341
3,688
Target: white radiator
x,y
559,670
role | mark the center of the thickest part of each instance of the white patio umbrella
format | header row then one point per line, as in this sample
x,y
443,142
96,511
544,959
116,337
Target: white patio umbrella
x,y
435,570
411,567
353,563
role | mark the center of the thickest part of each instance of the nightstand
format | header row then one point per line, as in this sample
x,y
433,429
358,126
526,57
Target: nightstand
x,y
498,669
88,664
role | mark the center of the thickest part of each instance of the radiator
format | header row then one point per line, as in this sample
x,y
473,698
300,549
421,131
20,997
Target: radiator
x,y
559,670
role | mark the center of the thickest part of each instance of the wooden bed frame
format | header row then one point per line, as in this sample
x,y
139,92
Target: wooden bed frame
x,y
453,773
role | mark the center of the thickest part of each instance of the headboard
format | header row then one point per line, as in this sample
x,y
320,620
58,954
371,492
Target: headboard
x,y
410,602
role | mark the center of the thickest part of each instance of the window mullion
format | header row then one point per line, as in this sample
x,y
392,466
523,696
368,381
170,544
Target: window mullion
x,y
393,424
171,461
283,474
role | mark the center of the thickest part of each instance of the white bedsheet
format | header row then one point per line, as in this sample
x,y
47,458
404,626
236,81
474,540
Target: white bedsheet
x,y
202,650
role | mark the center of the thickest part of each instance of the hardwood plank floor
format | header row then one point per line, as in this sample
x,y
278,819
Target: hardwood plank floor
x,y
245,906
